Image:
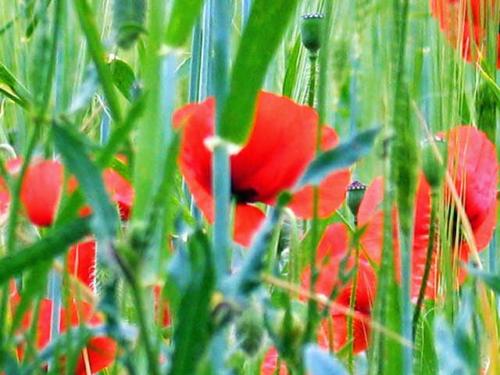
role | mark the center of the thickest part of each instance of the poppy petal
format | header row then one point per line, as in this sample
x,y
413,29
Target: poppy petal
x,y
332,192
197,124
100,353
338,330
120,190
334,242
281,145
41,191
270,364
81,262
247,221
473,165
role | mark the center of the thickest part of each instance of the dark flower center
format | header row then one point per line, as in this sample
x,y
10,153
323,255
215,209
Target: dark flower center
x,y
244,195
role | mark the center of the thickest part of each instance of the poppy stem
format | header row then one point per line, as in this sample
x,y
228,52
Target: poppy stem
x,y
428,262
313,67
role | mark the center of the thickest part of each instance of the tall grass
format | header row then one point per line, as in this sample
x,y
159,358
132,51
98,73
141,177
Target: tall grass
x,y
83,81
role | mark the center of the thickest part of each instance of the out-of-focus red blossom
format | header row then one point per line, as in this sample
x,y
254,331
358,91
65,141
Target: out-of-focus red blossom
x,y
42,189
162,312
270,363
120,191
100,351
280,147
466,28
82,261
473,167
332,250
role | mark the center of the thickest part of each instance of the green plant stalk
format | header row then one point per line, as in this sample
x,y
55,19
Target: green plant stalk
x,y
154,134
312,308
98,53
428,261
312,311
221,175
405,177
221,178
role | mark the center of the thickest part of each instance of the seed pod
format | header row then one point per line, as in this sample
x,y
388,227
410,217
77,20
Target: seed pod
x,y
128,20
432,168
311,30
355,193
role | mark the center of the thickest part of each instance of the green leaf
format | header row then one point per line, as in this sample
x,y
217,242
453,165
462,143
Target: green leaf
x,y
184,15
320,362
12,88
262,36
342,156
490,279
53,244
104,219
123,77
192,332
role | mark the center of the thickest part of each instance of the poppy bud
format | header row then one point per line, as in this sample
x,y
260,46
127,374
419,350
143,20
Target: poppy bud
x,y
311,29
355,193
432,168
249,332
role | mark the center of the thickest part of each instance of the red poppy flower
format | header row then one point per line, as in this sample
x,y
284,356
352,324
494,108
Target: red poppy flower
x,y
332,251
120,191
162,312
280,147
42,189
270,363
99,352
82,262
465,27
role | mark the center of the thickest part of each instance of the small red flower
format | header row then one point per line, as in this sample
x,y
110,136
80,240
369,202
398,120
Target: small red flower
x,y
41,191
82,262
270,363
332,251
120,191
99,352
465,27
280,147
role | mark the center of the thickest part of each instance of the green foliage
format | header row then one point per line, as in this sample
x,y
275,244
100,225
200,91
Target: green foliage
x,y
261,37
182,18
104,218
342,156
53,244
192,331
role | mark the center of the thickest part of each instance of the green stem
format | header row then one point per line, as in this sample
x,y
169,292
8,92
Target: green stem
x,y
98,53
428,263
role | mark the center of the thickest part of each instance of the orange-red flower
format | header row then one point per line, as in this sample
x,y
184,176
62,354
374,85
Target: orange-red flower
x,y
334,258
473,167
82,262
99,352
270,363
43,186
281,145
41,191
466,26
